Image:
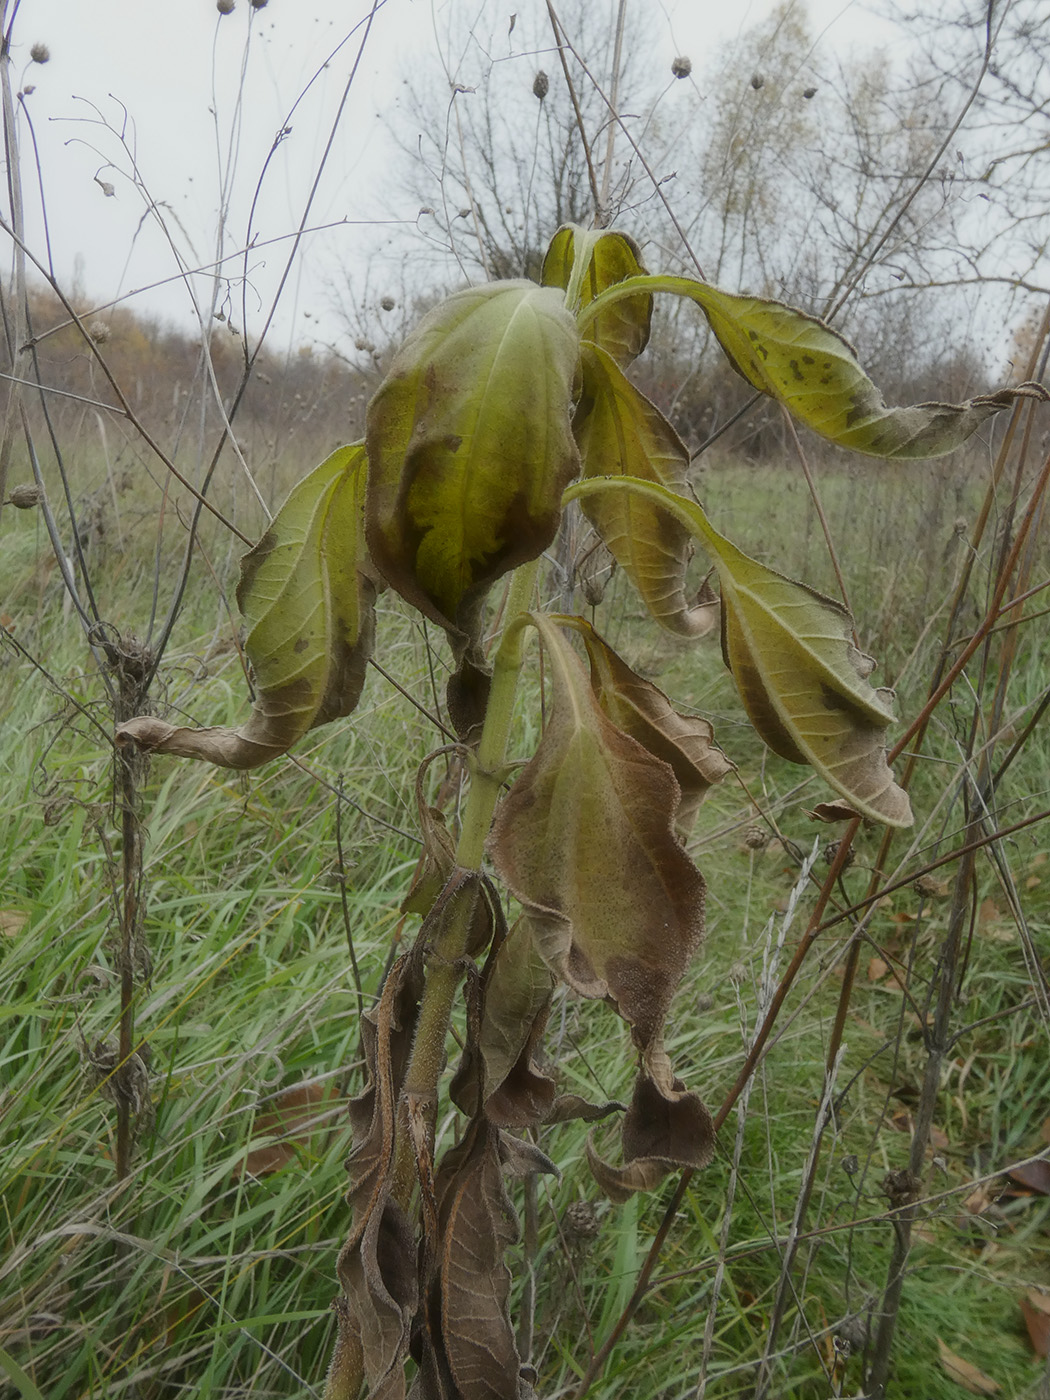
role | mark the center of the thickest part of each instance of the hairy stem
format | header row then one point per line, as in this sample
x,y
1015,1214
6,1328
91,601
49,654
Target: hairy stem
x,y
445,968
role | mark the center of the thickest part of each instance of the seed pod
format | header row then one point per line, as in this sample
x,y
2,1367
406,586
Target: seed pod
x,y
831,851
40,53
225,7
682,66
541,85
388,303
757,81
756,838
809,92
26,496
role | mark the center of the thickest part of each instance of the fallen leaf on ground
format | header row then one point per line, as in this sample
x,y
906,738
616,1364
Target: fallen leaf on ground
x,y
966,1374
979,1201
989,913
1036,1309
293,1118
12,922
1033,1176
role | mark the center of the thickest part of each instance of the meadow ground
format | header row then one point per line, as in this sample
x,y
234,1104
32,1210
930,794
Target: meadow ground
x,y
209,1271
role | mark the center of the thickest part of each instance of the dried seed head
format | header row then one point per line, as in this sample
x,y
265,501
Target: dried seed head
x,y
99,332
40,53
929,887
541,85
225,7
259,4
809,92
26,496
581,1222
850,1164
831,850
682,66
756,838
757,81
28,89
388,303
961,525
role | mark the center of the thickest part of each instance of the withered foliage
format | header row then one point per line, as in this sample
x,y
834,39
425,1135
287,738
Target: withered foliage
x,y
500,398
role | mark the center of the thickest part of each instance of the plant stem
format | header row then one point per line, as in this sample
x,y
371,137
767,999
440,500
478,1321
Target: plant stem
x,y
445,967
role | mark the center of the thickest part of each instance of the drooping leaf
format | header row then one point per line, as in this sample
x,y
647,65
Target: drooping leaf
x,y
588,261
307,604
469,1352
666,1129
517,998
803,684
585,840
812,370
621,433
644,712
377,1264
470,447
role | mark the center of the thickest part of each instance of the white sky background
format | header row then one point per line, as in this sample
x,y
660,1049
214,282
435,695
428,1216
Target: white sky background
x,y
175,68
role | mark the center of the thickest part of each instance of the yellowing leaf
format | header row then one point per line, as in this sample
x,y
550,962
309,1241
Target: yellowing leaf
x,y
812,370
308,606
621,433
803,684
966,1374
585,840
584,262
470,447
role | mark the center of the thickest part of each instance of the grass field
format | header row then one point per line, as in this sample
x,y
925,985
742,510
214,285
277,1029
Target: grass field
x,y
209,1271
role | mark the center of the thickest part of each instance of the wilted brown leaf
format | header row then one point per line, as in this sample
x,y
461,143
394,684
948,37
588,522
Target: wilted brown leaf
x,y
585,840
641,710
468,1346
666,1128
966,1374
377,1264
12,922
833,812
517,998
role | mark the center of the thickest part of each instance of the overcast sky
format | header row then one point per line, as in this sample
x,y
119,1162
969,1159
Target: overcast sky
x,y
138,102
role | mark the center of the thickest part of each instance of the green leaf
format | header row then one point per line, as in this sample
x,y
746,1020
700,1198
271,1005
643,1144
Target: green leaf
x,y
803,684
621,433
584,262
814,372
585,840
26,1389
307,602
470,447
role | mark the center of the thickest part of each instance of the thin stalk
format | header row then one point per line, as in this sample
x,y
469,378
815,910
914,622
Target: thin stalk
x,y
445,968
939,1043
